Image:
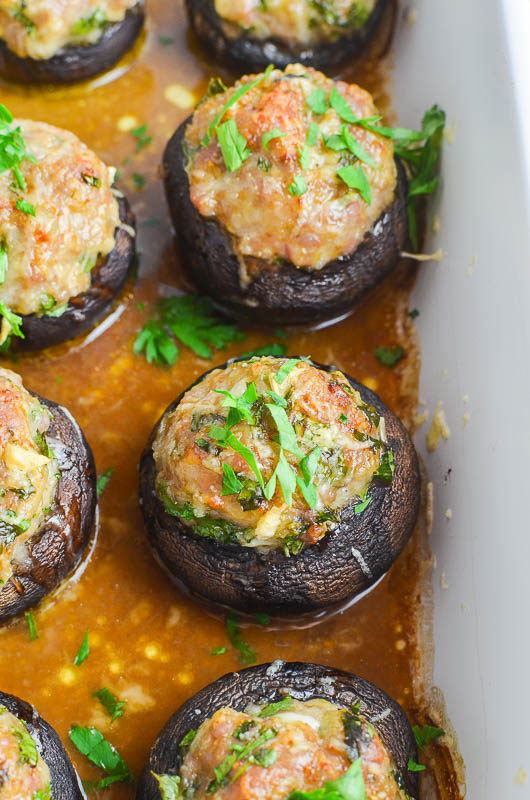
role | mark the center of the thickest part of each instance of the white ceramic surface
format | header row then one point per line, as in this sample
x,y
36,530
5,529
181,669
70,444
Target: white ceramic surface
x,y
472,57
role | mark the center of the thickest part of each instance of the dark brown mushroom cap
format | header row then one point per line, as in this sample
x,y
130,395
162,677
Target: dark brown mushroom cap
x,y
278,293
83,311
78,62
345,562
251,54
57,547
268,683
64,778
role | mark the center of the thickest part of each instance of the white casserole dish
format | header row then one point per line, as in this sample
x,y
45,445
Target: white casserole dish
x,y
472,58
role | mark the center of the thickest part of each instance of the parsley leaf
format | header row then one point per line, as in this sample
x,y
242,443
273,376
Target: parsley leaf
x,y
169,786
13,320
286,433
246,654
262,618
32,627
318,101
83,652
308,468
3,264
224,436
102,753
27,749
274,133
286,368
412,766
299,186
103,479
428,734
286,477
274,708
138,180
349,787
414,313
355,178
191,320
360,507
142,140
231,483
389,356
218,651
240,91
25,207
233,145
110,703
355,147
385,470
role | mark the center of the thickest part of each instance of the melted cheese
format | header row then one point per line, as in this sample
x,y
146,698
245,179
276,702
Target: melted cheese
x,y
40,28
298,22
76,214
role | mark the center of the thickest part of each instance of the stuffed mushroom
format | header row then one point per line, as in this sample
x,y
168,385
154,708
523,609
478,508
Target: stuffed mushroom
x,y
317,33
287,199
280,485
33,762
66,235
280,730
47,495
62,41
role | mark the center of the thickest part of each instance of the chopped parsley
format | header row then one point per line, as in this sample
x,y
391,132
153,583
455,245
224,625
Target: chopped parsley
x,y
389,356
92,744
273,349
231,483
91,180
318,101
412,766
349,787
233,145
414,313
343,418
190,320
13,320
428,734
268,136
138,180
110,703
32,627
362,506
355,178
83,651
86,25
103,479
247,655
275,708
27,749
385,470
218,651
142,139
25,207
299,186
3,264
20,15
169,786
262,618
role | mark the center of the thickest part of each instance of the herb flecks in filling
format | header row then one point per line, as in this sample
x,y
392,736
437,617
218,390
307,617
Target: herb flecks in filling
x,y
282,154
23,772
268,452
28,470
296,22
32,29
57,211
285,749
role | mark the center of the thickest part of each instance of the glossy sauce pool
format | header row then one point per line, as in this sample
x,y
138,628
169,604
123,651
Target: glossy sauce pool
x,y
150,643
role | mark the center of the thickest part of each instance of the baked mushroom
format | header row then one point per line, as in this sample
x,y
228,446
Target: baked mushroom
x,y
53,41
278,485
289,204
316,33
282,729
47,495
66,235
33,762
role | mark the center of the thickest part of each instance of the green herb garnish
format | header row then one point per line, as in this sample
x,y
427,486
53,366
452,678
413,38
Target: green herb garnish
x,y
233,145
268,136
231,483
103,479
86,25
218,651
190,320
142,140
27,749
349,787
355,178
83,651
389,356
385,470
32,627
110,703
138,180
246,654
169,786
275,708
274,349
428,734
299,186
262,618
102,753
318,101
286,477
412,766
25,207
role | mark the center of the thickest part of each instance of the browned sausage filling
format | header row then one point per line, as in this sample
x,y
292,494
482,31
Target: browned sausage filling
x,y
23,773
28,470
40,28
267,452
269,752
292,166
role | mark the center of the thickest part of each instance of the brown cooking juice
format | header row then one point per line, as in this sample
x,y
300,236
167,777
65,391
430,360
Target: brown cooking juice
x,y
149,642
